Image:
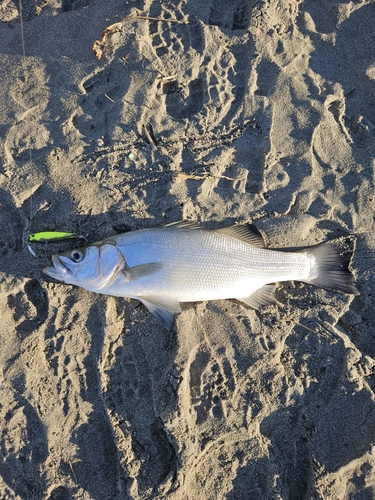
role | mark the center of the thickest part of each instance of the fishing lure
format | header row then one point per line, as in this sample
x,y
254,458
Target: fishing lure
x,y
51,236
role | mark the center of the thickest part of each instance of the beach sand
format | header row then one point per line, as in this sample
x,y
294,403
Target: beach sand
x,y
218,111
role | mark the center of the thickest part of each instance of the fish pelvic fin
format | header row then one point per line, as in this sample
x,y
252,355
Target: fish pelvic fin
x,y
163,308
261,297
331,268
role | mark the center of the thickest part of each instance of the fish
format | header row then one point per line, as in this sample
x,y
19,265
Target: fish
x,y
184,262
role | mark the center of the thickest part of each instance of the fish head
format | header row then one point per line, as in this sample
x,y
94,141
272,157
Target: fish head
x,y
74,267
93,267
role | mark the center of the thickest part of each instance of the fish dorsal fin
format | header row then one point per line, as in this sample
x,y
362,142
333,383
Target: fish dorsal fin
x,y
143,270
163,308
183,224
244,232
261,297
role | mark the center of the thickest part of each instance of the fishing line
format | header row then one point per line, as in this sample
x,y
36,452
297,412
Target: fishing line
x,y
23,54
23,65
22,35
43,236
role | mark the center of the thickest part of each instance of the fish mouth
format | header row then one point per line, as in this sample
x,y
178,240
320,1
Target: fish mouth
x,y
62,268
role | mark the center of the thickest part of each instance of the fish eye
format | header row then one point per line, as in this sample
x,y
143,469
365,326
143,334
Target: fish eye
x,y
77,255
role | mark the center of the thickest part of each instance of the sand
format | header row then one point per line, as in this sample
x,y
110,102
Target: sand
x,y
219,111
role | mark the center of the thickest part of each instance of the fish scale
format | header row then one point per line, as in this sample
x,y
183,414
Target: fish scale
x,y
215,266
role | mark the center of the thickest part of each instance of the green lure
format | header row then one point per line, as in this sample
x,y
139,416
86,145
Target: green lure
x,y
51,236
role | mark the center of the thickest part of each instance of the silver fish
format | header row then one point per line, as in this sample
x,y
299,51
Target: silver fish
x,y
182,262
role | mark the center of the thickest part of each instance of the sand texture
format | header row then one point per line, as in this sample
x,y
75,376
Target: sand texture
x,y
219,111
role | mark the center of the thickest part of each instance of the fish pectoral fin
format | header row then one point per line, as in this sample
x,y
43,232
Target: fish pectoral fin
x,y
163,308
261,297
132,273
244,232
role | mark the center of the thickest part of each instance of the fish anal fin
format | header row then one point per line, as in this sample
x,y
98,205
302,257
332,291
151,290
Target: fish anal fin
x,y
244,232
261,297
163,308
141,271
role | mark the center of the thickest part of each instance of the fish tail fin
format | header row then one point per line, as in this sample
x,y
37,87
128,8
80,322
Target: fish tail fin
x,y
331,268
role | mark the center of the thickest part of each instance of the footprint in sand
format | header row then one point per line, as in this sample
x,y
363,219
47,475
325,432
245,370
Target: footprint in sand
x,y
233,15
211,383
